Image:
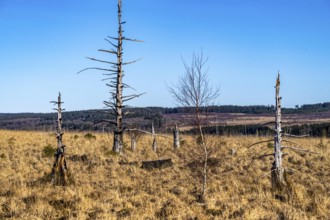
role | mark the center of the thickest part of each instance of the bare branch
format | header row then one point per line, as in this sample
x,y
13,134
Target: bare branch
x,y
108,51
128,86
95,68
260,142
114,45
300,149
267,123
113,38
134,61
111,78
101,61
146,132
135,40
127,98
295,136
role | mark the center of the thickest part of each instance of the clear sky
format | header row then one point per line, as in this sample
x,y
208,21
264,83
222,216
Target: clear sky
x,y
43,44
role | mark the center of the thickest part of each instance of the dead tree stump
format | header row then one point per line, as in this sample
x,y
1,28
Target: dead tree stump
x,y
59,170
154,141
278,181
157,164
133,142
176,140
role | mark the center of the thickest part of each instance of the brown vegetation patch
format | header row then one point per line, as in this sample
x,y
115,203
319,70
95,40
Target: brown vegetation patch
x,y
113,187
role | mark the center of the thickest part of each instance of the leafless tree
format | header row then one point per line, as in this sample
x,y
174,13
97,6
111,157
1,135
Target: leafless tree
x,y
279,182
194,90
59,170
115,75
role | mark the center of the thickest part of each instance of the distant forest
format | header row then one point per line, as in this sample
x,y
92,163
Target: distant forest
x,y
91,120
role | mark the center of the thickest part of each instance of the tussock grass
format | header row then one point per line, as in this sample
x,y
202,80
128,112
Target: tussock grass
x,y
112,186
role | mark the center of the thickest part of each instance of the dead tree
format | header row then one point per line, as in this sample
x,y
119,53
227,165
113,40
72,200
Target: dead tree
x,y
59,170
133,142
278,178
193,90
114,74
154,141
176,140
277,169
136,134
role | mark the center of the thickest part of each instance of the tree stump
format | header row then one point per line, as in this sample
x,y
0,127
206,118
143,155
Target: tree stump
x,y
59,170
157,164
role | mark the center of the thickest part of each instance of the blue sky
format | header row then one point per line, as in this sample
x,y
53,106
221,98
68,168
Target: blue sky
x,y
44,44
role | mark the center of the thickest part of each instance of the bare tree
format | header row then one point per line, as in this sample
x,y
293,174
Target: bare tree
x,y
59,170
278,179
277,169
115,75
193,90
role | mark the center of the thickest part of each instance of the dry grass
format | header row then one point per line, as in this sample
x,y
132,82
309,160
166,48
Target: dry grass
x,y
103,188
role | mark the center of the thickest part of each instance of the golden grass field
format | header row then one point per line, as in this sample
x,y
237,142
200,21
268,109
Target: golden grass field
x,y
108,186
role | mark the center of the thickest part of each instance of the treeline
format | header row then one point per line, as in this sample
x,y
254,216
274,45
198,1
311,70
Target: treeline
x,y
91,120
313,130
253,109
143,117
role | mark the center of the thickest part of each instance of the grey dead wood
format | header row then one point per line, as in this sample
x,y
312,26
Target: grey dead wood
x,y
176,140
277,168
59,170
154,141
115,74
133,142
278,177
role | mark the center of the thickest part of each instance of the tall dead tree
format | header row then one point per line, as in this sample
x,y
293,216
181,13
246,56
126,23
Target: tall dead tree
x,y
277,169
115,75
278,177
193,90
59,170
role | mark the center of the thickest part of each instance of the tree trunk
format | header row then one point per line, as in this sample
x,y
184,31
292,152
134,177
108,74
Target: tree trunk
x,y
118,133
154,145
133,142
205,173
176,140
202,144
154,141
59,170
278,181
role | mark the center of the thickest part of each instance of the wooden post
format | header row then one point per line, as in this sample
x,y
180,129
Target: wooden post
x,y
176,140
154,145
133,142
59,170
277,170
154,141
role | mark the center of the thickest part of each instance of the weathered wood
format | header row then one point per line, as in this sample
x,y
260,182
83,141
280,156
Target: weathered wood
x,y
154,145
157,164
278,180
118,133
176,140
133,142
59,170
154,141
115,74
